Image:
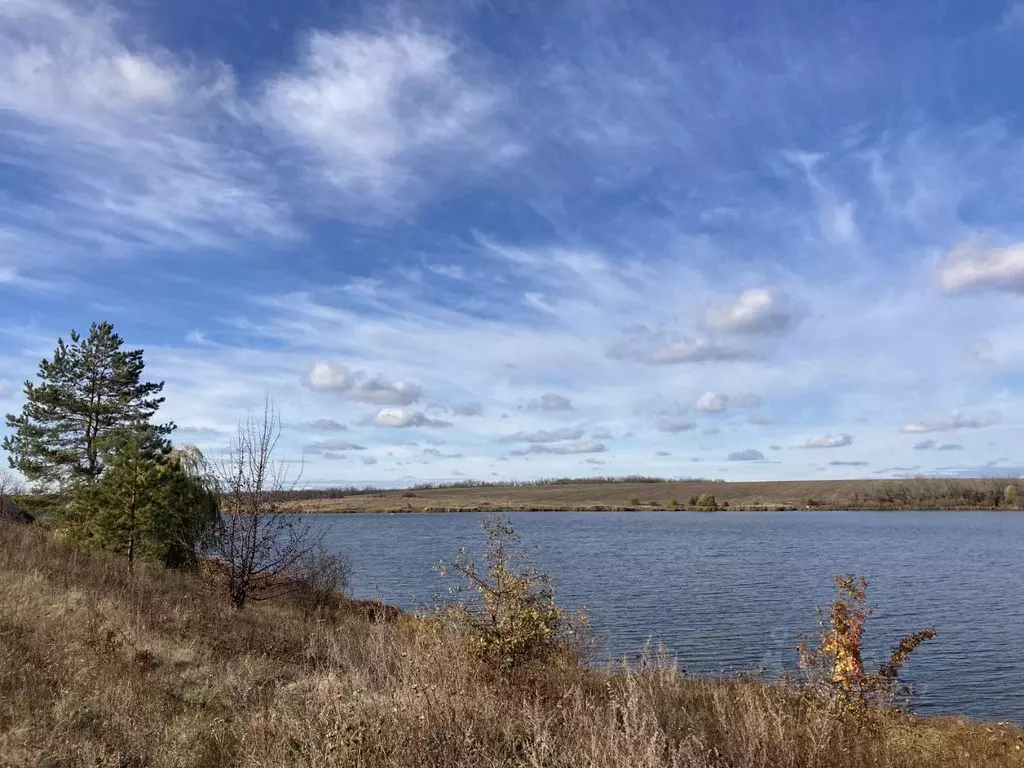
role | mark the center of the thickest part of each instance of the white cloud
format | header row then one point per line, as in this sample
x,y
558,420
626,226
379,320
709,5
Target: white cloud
x,y
748,455
402,418
756,311
549,402
378,111
580,446
712,402
543,436
124,130
672,425
953,422
829,441
971,266
356,385
6,388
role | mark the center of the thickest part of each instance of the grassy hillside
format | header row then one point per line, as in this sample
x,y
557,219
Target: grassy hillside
x,y
102,667
826,494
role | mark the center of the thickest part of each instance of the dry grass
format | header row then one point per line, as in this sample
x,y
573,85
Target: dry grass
x,y
918,493
99,667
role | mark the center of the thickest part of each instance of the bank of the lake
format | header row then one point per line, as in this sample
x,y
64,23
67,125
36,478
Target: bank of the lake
x,y
103,667
735,592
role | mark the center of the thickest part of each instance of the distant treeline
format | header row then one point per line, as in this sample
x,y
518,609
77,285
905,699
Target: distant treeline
x,y
943,493
305,494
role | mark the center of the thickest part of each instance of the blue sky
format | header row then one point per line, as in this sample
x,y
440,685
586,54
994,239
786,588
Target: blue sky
x,y
519,240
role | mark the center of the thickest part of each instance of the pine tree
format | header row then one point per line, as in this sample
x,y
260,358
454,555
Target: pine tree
x,y
151,503
90,390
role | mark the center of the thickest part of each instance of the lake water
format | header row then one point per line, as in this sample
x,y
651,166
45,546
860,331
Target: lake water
x,y
731,591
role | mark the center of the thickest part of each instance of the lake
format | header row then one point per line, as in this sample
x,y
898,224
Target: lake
x,y
733,591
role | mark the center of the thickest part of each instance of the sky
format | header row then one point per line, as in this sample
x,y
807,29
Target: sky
x,y
530,239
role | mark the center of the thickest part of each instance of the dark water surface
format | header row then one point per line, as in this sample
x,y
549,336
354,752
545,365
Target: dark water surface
x,y
732,591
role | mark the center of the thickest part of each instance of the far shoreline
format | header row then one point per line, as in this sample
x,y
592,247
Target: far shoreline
x,y
658,495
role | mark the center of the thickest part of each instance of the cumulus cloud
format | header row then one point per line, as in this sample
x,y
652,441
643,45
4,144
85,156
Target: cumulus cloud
x,y
672,425
326,376
755,311
971,266
467,409
549,402
716,402
401,418
712,402
643,345
829,441
748,455
580,446
328,425
952,422
543,436
848,463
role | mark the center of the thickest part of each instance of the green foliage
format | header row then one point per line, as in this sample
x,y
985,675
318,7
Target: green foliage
x,y
90,390
1010,495
150,503
515,619
705,501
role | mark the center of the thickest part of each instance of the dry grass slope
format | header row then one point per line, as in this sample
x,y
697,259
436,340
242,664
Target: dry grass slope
x,y
99,667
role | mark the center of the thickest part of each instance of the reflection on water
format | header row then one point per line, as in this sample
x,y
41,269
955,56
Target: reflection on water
x,y
735,591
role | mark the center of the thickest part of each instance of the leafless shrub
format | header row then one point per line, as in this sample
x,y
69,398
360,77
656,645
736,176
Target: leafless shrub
x,y
257,542
321,579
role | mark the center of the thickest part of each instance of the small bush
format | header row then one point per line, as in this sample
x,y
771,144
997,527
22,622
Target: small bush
x,y
635,501
320,579
515,619
1010,495
836,663
410,495
706,501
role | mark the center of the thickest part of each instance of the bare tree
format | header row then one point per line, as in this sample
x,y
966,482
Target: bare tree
x,y
256,543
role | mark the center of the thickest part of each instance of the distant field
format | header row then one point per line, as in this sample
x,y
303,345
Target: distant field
x,y
827,494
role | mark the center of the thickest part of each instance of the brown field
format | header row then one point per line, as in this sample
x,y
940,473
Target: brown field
x,y
824,494
108,668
